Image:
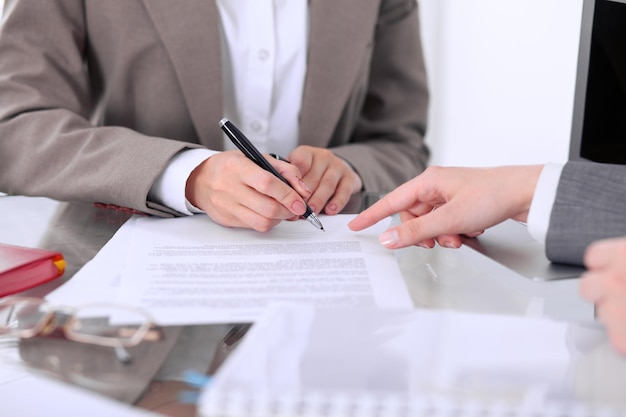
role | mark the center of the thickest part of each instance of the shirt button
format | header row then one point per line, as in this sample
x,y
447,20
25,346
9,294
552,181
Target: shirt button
x,y
255,126
263,54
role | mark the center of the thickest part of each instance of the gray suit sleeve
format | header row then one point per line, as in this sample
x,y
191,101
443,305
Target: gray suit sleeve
x,y
590,205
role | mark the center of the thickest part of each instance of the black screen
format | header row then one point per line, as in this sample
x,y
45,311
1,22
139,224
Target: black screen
x,y
604,125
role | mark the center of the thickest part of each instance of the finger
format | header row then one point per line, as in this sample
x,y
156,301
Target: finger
x,y
591,287
598,284
257,210
604,252
292,174
302,158
238,215
450,241
267,184
325,190
447,241
388,238
253,220
406,216
427,244
474,234
437,223
402,198
349,183
338,201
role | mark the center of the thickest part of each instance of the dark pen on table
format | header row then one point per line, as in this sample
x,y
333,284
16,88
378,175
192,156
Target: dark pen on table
x,y
243,143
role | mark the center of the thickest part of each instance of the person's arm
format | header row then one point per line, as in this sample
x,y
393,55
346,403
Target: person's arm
x,y
589,206
169,187
49,145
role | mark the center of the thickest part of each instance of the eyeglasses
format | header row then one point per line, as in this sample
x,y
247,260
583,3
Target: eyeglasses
x,y
104,324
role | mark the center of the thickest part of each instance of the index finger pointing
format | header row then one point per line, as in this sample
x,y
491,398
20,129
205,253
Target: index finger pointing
x,y
401,199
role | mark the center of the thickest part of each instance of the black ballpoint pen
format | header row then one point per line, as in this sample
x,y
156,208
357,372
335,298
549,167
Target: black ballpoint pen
x,y
243,143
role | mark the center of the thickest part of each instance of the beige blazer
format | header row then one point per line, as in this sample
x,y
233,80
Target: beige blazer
x,y
97,96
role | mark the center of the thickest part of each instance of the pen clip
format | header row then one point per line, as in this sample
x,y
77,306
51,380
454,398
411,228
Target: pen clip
x,y
279,158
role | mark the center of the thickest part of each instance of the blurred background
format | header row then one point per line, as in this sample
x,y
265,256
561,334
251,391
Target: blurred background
x,y
502,76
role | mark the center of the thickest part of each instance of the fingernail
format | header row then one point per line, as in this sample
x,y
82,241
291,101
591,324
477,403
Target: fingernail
x,y
303,185
332,208
389,238
298,207
450,245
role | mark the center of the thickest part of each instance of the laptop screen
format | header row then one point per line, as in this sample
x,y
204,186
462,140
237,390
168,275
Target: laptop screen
x,y
599,122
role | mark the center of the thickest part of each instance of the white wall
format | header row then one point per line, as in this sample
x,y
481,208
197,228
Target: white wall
x,y
502,77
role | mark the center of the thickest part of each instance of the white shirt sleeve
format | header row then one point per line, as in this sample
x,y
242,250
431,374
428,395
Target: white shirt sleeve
x,y
543,200
169,187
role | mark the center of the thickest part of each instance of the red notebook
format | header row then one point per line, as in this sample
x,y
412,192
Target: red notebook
x,y
22,268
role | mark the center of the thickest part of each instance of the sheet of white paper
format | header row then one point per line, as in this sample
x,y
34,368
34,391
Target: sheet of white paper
x,y
190,270
99,279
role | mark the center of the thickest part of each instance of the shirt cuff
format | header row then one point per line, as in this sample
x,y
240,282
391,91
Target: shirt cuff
x,y
169,187
543,200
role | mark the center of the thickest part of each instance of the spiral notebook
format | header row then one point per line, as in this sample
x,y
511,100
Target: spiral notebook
x,y
302,361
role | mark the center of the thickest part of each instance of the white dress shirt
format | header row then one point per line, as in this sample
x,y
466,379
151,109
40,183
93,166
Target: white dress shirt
x,y
264,48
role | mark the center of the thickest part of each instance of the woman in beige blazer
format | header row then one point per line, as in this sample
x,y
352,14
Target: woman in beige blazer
x,y
96,97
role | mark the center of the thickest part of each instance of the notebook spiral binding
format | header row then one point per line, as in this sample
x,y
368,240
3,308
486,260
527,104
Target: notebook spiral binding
x,y
240,403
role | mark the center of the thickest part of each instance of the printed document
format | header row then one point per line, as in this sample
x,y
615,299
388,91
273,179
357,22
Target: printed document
x,y
192,271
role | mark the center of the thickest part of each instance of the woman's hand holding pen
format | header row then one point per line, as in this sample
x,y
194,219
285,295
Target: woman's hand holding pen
x,y
235,192
330,178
